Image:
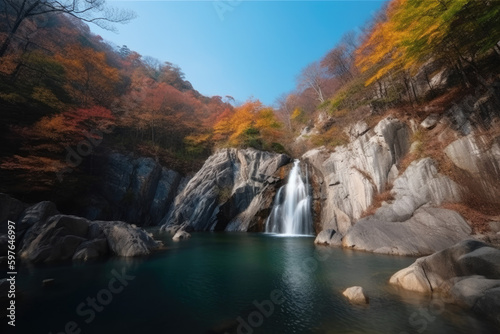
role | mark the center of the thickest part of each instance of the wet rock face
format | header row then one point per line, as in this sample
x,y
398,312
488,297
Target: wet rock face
x,y
230,182
136,190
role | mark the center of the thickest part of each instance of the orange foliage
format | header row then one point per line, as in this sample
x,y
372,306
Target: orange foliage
x,y
90,79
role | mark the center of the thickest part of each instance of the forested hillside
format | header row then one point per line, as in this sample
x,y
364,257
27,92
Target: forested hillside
x,y
414,58
68,97
65,95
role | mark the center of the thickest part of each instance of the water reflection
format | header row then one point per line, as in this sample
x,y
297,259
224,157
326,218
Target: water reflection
x,y
299,285
212,279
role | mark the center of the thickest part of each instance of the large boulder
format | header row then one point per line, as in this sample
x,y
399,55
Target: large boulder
x,y
91,249
427,231
64,237
469,272
127,240
224,188
58,239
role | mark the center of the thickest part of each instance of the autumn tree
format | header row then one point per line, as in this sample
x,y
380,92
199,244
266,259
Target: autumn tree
x,y
15,12
250,125
413,32
89,78
339,61
285,106
313,76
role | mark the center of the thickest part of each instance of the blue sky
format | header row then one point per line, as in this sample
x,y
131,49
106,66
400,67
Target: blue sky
x,y
251,49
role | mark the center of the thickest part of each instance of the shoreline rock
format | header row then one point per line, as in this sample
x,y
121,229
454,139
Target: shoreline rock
x,y
468,273
43,235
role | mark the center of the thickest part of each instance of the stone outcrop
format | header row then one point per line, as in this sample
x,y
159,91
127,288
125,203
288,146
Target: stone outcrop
x,y
230,182
481,167
356,295
475,111
410,224
427,231
354,173
44,235
136,190
420,184
468,272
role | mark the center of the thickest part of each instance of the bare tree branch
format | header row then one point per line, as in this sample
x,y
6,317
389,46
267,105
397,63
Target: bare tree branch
x,y
15,12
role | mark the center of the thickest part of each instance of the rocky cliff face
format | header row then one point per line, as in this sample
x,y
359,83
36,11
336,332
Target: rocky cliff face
x,y
351,176
413,222
232,191
136,190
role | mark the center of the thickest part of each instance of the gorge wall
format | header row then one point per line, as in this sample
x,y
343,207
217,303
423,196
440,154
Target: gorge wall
x,y
233,191
137,190
413,221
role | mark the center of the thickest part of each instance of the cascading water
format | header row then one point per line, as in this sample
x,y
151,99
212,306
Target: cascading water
x,y
291,214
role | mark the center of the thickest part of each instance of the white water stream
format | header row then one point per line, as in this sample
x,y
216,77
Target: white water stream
x,y
291,214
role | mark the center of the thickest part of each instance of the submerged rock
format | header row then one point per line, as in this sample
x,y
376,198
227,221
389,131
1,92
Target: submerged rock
x,y
356,295
48,282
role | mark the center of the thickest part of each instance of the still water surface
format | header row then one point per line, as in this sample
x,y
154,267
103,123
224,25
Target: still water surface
x,y
207,283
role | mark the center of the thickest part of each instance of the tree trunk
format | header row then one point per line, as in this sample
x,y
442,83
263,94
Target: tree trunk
x,y
428,81
462,73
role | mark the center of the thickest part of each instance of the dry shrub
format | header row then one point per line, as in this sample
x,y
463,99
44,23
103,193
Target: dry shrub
x,y
477,216
444,101
335,136
378,199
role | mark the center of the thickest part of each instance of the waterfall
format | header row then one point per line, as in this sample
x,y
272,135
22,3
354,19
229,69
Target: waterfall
x,y
291,214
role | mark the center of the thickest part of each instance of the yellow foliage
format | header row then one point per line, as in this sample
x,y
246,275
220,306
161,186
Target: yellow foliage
x,y
249,122
46,96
